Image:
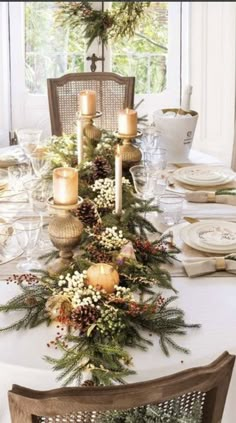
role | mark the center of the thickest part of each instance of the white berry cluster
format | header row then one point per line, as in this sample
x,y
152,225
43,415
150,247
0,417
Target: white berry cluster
x,y
81,294
112,239
86,165
86,296
105,189
70,283
122,292
103,147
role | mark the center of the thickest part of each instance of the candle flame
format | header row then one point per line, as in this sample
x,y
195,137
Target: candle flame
x,y
102,269
127,110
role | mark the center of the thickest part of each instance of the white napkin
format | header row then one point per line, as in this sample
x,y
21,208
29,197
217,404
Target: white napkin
x,y
211,197
198,266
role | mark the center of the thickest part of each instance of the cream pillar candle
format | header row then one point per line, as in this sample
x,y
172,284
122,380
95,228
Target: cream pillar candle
x,y
65,186
118,181
87,102
127,122
80,130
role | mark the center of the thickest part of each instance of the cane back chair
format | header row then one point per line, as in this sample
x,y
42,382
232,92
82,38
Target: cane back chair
x,y
114,92
208,385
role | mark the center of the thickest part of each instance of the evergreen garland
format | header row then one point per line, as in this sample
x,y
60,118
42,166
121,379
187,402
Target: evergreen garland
x,y
102,24
100,325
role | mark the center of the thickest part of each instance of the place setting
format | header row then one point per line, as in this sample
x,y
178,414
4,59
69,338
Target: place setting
x,y
202,177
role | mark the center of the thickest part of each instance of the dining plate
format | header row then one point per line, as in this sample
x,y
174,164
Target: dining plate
x,y
204,175
214,236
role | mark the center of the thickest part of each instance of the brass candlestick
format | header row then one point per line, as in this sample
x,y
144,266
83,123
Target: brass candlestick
x,y
90,131
130,154
64,231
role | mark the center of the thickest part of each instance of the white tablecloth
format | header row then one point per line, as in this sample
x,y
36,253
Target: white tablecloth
x,y
209,301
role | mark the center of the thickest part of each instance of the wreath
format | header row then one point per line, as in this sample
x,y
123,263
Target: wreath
x,y
106,25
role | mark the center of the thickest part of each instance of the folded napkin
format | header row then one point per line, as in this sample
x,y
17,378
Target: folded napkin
x,y
229,197
203,266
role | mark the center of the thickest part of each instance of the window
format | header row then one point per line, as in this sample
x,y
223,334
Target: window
x,y
51,51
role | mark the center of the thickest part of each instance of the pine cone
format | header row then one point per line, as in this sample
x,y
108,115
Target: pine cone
x,y
87,213
84,316
88,382
101,168
98,256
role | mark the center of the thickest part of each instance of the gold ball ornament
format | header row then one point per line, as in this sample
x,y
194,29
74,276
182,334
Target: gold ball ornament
x,y
103,276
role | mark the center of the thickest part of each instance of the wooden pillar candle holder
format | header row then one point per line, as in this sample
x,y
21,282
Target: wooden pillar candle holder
x,y
64,231
131,155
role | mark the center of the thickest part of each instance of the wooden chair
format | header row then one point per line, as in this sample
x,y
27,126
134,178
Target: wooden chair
x,y
114,92
208,385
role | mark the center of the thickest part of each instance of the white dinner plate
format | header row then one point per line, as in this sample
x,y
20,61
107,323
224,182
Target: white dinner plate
x,y
212,236
204,175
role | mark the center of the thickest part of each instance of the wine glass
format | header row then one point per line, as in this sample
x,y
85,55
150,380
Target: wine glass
x,y
28,139
8,243
40,162
27,231
39,196
149,182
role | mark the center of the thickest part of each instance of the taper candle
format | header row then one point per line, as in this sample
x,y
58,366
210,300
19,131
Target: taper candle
x,y
80,130
127,122
65,185
87,102
118,181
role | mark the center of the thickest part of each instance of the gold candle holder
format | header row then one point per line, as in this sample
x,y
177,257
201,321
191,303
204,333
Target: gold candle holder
x,y
90,131
130,154
64,231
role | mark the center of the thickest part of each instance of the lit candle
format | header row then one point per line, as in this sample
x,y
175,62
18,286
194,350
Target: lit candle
x,y
127,122
118,181
87,102
80,130
65,185
103,276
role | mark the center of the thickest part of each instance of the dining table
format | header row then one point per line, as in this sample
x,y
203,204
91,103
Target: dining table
x,y
209,300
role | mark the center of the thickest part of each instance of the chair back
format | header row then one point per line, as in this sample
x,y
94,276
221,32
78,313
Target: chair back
x,y
114,92
207,385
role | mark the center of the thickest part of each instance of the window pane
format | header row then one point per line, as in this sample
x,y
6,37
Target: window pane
x,y
145,55
49,51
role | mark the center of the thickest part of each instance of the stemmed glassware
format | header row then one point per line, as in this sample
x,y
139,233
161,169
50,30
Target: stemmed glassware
x,y
40,163
28,140
27,231
38,193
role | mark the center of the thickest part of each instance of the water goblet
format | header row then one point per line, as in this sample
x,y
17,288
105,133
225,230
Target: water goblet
x,y
171,207
27,233
140,178
150,139
157,158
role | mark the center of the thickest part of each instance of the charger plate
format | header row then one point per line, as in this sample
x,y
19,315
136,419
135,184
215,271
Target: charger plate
x,y
204,175
212,236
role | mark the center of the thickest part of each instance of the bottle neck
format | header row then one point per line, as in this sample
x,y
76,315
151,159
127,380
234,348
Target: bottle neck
x,y
185,104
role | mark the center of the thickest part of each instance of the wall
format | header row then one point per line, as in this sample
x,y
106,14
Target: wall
x,y
212,74
4,76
